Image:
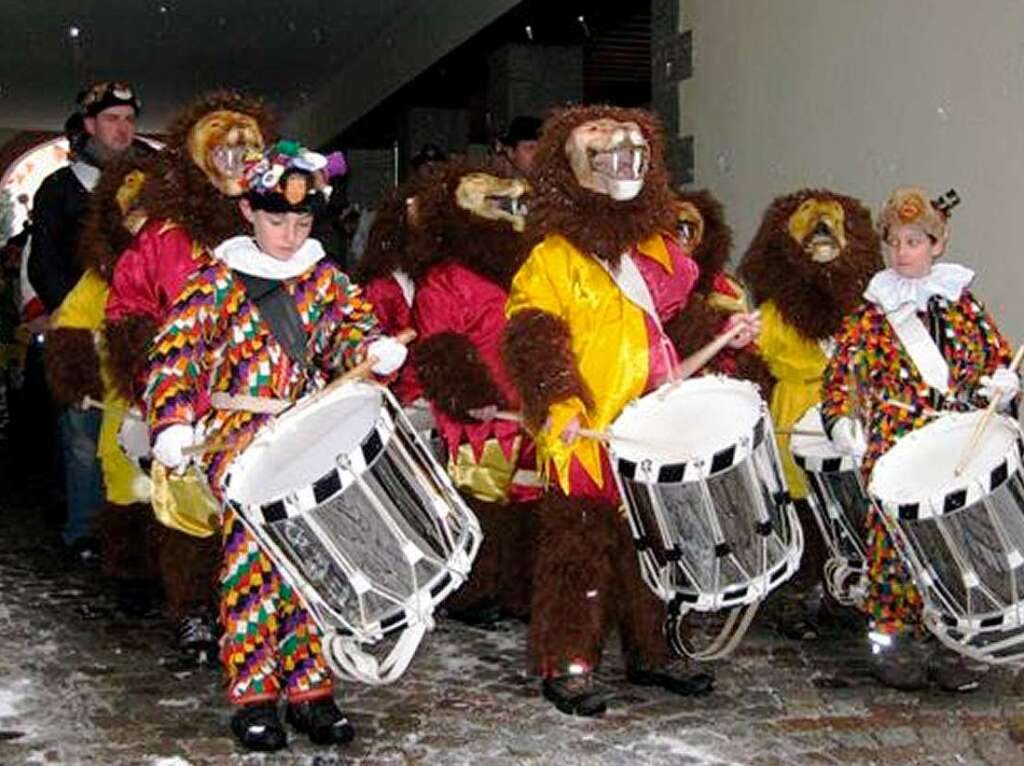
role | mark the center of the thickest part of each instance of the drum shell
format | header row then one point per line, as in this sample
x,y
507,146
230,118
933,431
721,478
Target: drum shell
x,y
373,543
717,530
964,544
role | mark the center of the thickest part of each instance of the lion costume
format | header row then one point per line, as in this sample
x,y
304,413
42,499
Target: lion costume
x,y
474,221
579,348
186,196
717,294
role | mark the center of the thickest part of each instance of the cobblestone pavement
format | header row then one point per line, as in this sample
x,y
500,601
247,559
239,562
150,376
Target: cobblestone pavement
x,y
81,685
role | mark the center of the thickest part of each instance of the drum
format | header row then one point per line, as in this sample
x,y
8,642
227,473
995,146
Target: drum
x,y
361,519
962,536
699,471
839,504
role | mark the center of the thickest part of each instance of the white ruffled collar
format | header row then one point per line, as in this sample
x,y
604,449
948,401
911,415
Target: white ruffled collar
x,y
244,255
890,291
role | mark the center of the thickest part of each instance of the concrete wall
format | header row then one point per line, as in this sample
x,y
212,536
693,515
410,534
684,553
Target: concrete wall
x,y
861,97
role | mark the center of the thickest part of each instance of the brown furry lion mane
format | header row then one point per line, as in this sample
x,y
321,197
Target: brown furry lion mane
x,y
712,254
72,365
104,236
812,297
595,223
179,191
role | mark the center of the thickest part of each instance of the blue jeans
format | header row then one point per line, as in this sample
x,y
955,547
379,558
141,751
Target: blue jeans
x,y
83,479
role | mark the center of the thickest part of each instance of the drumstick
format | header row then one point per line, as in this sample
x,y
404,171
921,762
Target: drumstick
x,y
89,403
360,371
586,433
693,363
972,445
798,432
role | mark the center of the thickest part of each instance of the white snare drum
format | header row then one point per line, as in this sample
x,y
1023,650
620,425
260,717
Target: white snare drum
x,y
361,519
698,468
839,503
961,536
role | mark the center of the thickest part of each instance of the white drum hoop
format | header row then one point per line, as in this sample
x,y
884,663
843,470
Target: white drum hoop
x,y
996,637
348,646
638,479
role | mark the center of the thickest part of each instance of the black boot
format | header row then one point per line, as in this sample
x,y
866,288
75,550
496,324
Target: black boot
x,y
321,720
576,695
257,727
134,597
899,661
684,682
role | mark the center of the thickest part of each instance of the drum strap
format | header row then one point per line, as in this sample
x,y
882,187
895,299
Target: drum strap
x,y
631,282
277,307
921,347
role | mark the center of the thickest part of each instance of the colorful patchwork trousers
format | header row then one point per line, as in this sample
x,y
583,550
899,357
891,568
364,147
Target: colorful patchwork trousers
x,y
893,602
270,642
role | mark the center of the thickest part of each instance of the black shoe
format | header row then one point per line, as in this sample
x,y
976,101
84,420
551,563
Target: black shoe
x,y
685,684
953,673
900,662
483,617
576,695
134,597
85,551
257,727
197,637
321,720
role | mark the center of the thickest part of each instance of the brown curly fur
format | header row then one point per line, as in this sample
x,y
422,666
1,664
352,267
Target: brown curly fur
x,y
712,254
445,231
72,365
584,546
595,223
104,236
128,345
130,538
503,569
392,244
537,351
811,297
188,568
453,376
177,190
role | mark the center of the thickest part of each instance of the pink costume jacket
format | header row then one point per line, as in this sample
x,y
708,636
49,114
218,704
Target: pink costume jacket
x,y
394,314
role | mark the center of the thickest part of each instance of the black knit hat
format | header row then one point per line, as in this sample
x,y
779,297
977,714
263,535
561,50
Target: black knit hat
x,y
104,95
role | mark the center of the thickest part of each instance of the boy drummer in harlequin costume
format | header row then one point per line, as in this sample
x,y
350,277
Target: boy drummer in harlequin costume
x,y
919,344
271,646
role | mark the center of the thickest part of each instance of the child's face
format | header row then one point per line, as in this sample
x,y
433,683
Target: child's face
x,y
911,251
279,235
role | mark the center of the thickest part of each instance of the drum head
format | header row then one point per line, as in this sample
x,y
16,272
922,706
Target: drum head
x,y
818,446
695,418
303,444
922,464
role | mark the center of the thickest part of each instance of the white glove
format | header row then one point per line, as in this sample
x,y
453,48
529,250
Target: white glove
x,y
169,445
390,355
848,437
1003,383
133,437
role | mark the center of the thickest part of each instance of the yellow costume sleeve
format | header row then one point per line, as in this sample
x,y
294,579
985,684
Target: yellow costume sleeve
x,y
84,308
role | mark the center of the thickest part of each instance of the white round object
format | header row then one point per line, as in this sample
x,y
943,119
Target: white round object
x,y
302,445
921,466
682,422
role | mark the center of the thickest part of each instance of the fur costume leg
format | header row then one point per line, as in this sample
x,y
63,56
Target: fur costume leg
x,y
125,534
481,589
572,583
188,568
641,614
519,545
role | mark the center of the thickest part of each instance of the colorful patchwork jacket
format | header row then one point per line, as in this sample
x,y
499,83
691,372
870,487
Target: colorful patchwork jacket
x,y
214,329
871,376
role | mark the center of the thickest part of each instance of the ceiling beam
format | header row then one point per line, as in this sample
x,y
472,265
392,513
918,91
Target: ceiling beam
x,y
413,41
